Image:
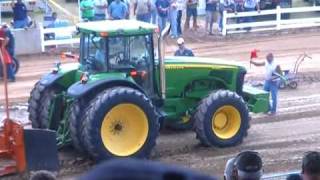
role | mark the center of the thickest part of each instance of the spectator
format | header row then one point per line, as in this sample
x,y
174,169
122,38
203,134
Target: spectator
x,y
250,5
134,169
142,9
183,51
271,80
173,19
20,17
238,8
311,166
100,9
153,12
225,5
117,10
6,56
53,20
247,165
181,6
191,11
11,43
87,11
211,7
163,10
128,7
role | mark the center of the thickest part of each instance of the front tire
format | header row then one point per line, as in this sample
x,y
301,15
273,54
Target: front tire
x,y
222,119
120,122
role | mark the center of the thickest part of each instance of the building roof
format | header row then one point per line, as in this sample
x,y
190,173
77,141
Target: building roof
x,y
117,27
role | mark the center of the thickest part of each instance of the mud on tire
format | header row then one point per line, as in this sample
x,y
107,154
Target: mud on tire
x,y
229,107
100,112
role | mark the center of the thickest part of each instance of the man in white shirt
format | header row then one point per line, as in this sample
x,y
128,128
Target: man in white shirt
x,y
142,10
100,9
271,84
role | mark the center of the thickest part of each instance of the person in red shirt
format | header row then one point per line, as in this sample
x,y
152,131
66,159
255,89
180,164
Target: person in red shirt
x,y
5,55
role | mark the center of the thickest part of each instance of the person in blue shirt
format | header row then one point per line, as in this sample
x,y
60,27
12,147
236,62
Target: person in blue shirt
x,y
20,17
183,51
117,10
11,43
163,7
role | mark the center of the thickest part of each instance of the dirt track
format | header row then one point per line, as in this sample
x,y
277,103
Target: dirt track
x,y
281,139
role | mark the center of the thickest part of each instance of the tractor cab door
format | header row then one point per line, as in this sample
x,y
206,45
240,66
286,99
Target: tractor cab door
x,y
134,54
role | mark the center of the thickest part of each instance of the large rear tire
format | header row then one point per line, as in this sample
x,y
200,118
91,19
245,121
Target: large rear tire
x,y
34,105
222,119
76,118
120,122
46,111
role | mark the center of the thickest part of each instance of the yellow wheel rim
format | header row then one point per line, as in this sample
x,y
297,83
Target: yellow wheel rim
x,y
124,129
226,122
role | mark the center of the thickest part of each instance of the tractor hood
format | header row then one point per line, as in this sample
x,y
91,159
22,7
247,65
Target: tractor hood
x,y
185,61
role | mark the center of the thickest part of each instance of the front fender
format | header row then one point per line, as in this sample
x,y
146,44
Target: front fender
x,y
79,90
51,78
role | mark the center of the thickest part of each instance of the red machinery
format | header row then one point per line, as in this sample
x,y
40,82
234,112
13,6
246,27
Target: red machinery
x,y
24,149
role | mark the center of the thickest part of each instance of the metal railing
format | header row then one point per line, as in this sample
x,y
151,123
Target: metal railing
x,y
276,23
60,36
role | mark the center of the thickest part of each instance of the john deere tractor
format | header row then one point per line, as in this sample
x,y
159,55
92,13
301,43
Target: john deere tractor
x,y
112,102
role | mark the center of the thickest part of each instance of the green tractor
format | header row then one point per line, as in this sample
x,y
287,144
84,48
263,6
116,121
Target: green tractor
x,y
112,102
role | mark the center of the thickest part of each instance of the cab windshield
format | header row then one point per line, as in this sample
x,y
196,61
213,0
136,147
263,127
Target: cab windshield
x,y
116,53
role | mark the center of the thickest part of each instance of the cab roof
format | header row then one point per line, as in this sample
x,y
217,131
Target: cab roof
x,y
117,27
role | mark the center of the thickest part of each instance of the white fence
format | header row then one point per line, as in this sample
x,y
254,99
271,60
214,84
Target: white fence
x,y
58,36
231,26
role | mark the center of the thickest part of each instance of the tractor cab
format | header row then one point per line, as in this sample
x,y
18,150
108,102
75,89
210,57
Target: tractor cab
x,y
115,50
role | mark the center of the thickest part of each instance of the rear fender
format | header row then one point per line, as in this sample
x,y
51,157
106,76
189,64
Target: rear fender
x,y
257,100
78,89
